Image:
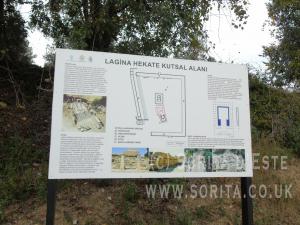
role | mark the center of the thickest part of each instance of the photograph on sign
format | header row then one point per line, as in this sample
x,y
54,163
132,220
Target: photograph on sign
x,y
129,116
84,113
130,160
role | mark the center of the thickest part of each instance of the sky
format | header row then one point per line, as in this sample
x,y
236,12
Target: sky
x,y
239,46
119,150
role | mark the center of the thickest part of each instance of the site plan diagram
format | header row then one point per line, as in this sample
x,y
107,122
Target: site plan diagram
x,y
160,99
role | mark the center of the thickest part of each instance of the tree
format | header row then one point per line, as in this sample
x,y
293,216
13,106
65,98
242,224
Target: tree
x,y
18,75
147,27
13,43
284,56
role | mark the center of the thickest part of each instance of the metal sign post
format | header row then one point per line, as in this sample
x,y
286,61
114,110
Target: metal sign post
x,y
51,197
247,207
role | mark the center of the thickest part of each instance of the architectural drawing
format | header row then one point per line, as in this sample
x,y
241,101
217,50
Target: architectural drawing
x,y
221,111
160,102
223,119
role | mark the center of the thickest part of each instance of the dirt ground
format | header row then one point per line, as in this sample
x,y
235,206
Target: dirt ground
x,y
121,202
109,202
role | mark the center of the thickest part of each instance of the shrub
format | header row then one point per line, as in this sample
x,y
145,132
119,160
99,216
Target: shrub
x,y
275,113
23,171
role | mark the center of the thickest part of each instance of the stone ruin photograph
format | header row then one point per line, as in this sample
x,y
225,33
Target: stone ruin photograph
x,y
130,159
228,160
198,160
166,161
84,113
214,160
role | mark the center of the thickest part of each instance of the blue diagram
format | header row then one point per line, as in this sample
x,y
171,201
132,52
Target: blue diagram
x,y
221,111
225,119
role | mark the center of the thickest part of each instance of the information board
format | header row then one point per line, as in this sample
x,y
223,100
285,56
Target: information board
x,y
130,116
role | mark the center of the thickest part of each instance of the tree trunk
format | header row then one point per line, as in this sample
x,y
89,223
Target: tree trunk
x,y
1,22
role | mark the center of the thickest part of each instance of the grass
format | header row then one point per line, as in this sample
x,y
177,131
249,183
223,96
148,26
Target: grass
x,y
184,218
129,204
202,212
23,171
130,193
90,222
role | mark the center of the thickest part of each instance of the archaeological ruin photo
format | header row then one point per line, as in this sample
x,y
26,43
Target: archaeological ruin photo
x,y
130,159
84,113
166,160
228,160
214,160
198,160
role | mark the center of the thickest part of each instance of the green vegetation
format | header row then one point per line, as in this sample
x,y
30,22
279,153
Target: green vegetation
x,y
131,193
19,76
184,218
156,28
202,212
275,113
23,171
284,56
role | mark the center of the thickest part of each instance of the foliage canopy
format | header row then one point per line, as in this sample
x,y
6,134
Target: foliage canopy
x,y
13,34
147,27
284,57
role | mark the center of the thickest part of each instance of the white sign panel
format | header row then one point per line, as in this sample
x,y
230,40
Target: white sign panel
x,y
129,116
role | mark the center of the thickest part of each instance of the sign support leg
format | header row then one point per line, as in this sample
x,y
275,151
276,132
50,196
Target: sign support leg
x,y
51,197
247,207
